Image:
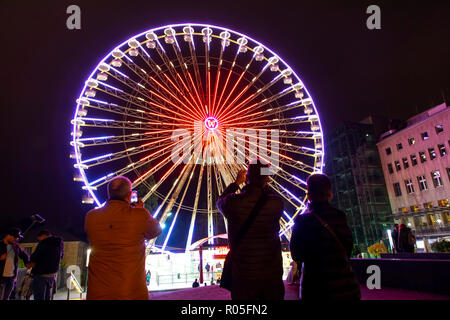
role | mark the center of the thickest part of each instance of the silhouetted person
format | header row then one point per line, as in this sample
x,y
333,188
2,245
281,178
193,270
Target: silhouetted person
x,y
10,252
406,239
394,235
45,262
117,233
322,241
257,266
195,284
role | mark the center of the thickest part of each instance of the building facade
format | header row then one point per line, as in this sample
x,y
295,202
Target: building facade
x,y
353,165
416,167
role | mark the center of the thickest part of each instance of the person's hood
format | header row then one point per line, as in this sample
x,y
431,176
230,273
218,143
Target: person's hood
x,y
52,241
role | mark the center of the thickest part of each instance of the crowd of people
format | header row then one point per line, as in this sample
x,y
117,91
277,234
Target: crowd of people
x,y
321,244
42,266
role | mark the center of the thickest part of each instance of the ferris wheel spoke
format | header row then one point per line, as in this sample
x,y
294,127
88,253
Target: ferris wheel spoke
x,y
174,97
179,207
219,67
117,124
150,146
230,71
133,166
153,170
231,109
127,138
179,81
163,178
194,209
198,80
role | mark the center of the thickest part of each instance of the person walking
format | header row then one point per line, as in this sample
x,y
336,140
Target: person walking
x,y
117,233
321,243
45,262
10,252
253,217
394,236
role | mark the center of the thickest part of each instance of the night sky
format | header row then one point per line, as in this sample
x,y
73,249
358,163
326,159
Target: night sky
x,y
350,71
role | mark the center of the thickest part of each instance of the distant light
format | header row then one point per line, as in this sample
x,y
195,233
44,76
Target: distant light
x,y
163,225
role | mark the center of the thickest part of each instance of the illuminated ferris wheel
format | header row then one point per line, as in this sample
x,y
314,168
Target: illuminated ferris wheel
x,y
189,88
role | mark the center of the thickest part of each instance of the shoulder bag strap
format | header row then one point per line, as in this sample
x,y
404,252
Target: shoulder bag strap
x,y
259,204
327,226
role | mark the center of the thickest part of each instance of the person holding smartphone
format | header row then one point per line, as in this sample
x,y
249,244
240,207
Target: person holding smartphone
x,y
117,233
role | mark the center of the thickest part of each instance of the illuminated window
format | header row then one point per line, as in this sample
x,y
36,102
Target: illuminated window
x,y
390,168
388,151
405,163
428,205
443,203
432,153
442,149
423,156
436,176
399,146
411,141
409,186
403,210
422,183
397,189
397,165
413,159
414,208
439,128
424,135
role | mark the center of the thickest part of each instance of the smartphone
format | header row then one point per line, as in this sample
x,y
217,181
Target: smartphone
x,y
134,196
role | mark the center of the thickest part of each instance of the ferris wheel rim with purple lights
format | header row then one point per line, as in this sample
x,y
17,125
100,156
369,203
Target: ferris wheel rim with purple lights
x,y
109,68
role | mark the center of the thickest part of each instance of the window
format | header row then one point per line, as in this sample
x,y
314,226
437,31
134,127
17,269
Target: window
x,y
397,189
439,128
413,159
411,141
399,146
436,176
390,169
424,135
409,186
397,165
422,183
442,150
405,163
443,203
432,153
403,210
388,151
414,208
423,156
428,205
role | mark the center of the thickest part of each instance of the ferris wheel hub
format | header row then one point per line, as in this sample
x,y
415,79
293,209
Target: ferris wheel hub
x,y
211,123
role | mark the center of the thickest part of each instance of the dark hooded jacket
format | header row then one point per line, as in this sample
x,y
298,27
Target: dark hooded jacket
x,y
258,256
326,271
48,255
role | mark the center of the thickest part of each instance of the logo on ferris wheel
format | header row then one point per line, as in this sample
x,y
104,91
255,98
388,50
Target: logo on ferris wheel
x,y
211,123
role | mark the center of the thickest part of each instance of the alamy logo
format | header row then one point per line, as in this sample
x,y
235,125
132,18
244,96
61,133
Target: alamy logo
x,y
74,20
374,20
234,146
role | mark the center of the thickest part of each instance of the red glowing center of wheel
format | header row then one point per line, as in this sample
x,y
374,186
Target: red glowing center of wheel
x,y
211,123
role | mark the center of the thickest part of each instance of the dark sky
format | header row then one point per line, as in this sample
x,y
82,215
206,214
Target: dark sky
x,y
350,71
